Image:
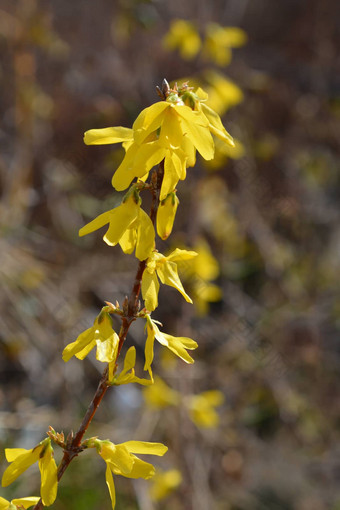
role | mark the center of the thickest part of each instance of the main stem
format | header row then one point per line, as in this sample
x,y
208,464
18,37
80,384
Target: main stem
x,y
73,447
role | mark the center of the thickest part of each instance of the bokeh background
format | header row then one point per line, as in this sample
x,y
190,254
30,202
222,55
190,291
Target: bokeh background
x,y
264,218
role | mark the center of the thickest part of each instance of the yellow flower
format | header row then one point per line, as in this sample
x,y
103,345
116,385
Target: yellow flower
x,y
100,335
160,395
129,226
176,344
164,482
120,460
219,40
164,268
166,215
18,503
202,408
21,459
183,35
182,131
127,375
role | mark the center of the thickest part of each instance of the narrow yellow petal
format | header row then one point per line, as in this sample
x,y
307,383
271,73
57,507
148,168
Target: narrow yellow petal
x,y
149,347
140,469
168,274
49,480
124,174
111,486
83,340
172,173
145,236
150,288
25,502
196,127
20,464
12,453
179,255
108,135
149,120
120,220
4,504
144,447
95,224
128,240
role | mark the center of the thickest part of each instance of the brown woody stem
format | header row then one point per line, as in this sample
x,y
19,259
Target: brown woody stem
x,y
74,447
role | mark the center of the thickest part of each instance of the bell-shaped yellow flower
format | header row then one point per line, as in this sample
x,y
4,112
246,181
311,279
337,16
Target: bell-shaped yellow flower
x,y
176,344
127,375
121,460
21,459
202,408
166,215
164,482
100,335
164,268
184,36
18,503
129,226
160,395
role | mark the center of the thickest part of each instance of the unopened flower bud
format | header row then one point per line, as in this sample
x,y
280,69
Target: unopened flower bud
x,y
166,215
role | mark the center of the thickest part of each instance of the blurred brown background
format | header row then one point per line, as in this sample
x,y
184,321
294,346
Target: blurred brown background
x,y
271,218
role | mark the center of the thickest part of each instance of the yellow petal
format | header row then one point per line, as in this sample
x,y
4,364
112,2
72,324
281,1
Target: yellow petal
x,y
111,486
145,448
145,236
168,274
95,224
12,453
128,240
148,155
124,174
196,127
149,345
120,220
108,135
149,120
117,456
216,126
178,345
171,133
179,255
150,288
4,504
172,173
25,502
83,340
107,349
49,480
140,469
20,464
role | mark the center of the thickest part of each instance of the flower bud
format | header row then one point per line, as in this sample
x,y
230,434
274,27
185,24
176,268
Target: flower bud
x,y
166,215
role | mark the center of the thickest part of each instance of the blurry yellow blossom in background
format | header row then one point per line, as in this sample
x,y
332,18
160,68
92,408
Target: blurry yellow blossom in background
x,y
219,41
183,35
160,395
164,482
202,408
